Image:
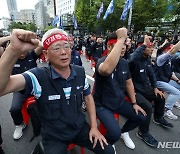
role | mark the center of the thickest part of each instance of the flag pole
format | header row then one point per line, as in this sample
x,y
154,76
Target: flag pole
x,y
54,8
129,19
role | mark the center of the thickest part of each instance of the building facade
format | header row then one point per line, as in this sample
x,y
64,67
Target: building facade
x,y
49,4
6,22
65,7
12,8
40,15
27,16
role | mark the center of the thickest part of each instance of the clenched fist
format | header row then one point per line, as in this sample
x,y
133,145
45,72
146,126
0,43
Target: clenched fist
x,y
121,33
22,41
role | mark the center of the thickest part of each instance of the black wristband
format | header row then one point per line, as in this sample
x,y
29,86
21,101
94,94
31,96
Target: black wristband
x,y
177,81
134,103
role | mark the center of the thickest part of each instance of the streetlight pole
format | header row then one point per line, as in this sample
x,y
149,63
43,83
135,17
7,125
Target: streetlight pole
x,y
54,7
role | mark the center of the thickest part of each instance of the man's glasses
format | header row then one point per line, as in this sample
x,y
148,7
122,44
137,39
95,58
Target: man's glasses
x,y
57,48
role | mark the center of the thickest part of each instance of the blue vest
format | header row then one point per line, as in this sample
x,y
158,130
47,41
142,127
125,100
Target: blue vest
x,y
110,90
60,118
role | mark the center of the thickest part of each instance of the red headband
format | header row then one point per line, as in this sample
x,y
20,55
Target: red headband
x,y
168,47
54,38
150,44
112,41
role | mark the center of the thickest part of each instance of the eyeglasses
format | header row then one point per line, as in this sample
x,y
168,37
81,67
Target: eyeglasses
x,y
57,48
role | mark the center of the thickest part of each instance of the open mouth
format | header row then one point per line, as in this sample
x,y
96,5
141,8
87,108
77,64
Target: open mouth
x,y
64,60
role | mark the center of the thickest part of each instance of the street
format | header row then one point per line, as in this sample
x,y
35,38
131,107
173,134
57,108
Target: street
x,y
23,146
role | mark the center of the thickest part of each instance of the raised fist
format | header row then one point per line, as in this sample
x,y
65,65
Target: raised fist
x,y
147,39
22,41
121,33
175,48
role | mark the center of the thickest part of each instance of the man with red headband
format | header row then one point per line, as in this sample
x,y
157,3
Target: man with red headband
x,y
59,90
112,80
168,81
75,57
145,84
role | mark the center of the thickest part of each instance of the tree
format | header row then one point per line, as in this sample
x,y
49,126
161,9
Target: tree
x,y
145,13
48,28
172,14
25,26
86,15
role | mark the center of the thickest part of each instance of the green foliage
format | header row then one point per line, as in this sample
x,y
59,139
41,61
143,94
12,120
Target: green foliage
x,y
86,15
48,28
25,26
149,12
145,13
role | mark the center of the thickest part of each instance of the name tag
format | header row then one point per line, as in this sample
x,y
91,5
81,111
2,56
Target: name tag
x,y
78,87
17,65
54,97
142,70
30,60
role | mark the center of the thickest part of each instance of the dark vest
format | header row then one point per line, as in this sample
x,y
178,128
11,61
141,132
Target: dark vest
x,y
25,64
164,72
112,93
58,115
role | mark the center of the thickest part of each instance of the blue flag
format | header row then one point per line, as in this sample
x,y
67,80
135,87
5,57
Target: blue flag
x,y
74,21
101,9
61,23
109,10
128,4
55,21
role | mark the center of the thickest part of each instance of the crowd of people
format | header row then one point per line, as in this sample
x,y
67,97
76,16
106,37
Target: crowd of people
x,y
128,81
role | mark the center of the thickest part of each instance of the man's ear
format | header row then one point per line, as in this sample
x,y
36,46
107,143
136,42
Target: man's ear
x,y
45,52
109,47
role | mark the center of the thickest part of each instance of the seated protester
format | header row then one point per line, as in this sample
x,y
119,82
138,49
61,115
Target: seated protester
x,y
25,62
165,47
97,49
78,44
59,90
167,80
88,48
175,60
144,80
75,57
129,49
112,79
